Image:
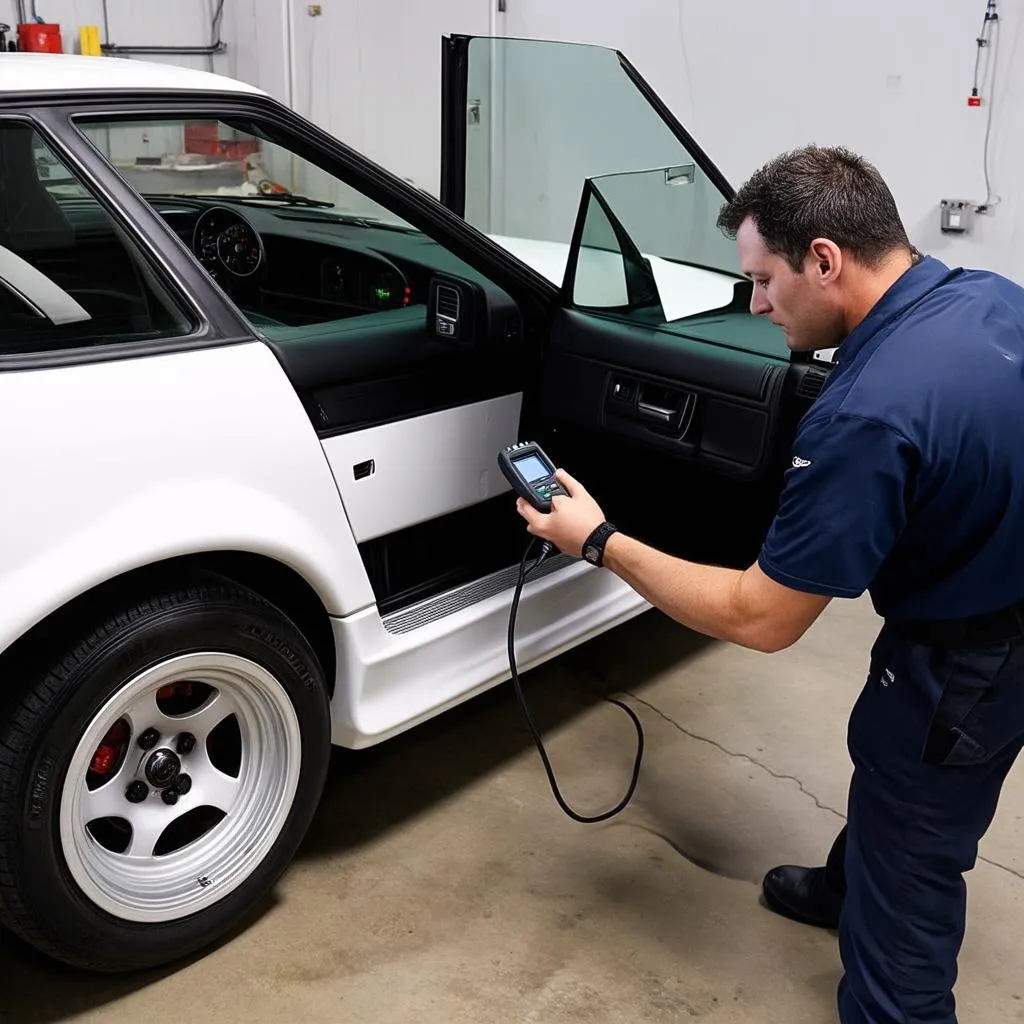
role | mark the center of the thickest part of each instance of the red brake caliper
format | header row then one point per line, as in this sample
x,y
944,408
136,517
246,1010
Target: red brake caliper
x,y
174,690
108,753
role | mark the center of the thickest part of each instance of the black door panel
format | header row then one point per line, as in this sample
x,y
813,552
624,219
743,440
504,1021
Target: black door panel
x,y
699,403
673,351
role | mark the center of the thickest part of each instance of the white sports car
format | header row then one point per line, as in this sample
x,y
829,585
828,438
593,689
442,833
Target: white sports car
x,y
253,388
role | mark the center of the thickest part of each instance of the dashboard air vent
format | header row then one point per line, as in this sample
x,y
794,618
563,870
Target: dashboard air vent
x,y
447,302
447,307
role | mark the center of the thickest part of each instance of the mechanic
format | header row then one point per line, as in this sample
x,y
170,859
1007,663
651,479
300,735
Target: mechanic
x,y
907,481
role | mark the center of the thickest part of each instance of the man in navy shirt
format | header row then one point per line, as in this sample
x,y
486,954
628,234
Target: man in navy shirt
x,y
907,481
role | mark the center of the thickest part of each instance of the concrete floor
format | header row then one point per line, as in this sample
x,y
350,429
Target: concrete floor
x,y
441,884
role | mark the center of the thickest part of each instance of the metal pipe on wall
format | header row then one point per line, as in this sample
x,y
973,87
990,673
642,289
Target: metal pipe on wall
x,y
218,46
195,51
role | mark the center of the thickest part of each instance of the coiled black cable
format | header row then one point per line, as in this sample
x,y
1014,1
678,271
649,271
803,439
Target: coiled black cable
x,y
546,549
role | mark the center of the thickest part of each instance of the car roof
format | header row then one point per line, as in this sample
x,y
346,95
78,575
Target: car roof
x,y
23,72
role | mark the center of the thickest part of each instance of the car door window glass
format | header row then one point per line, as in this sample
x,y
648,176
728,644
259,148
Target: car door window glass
x,y
659,216
295,246
546,117
71,276
634,259
606,271
561,142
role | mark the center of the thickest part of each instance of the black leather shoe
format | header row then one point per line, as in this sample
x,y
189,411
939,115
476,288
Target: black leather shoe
x,y
802,894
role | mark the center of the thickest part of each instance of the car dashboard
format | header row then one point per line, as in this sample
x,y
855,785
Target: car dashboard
x,y
294,266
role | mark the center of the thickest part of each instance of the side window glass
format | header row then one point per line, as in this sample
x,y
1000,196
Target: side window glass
x,y
571,167
607,271
297,248
70,276
600,278
663,220
647,251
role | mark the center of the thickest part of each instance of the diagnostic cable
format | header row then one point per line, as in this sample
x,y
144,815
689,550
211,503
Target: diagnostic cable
x,y
532,475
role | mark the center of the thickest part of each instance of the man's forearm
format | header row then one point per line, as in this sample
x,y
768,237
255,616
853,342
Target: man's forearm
x,y
709,599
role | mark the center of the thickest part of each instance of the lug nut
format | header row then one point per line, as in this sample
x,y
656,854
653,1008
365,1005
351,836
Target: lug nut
x,y
149,739
137,792
169,796
186,743
184,784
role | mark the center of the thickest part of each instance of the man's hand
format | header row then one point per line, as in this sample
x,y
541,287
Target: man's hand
x,y
571,520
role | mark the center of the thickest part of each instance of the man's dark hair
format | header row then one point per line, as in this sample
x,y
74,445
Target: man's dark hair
x,y
819,192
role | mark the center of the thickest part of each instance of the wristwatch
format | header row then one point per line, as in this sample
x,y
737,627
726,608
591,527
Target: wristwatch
x,y
593,546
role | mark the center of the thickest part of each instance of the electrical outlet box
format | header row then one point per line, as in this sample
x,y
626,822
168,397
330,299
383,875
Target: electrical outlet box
x,y
956,216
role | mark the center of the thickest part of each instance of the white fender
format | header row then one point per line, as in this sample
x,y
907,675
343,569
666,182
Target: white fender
x,y
114,465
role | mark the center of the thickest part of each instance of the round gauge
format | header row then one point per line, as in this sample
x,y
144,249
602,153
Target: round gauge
x,y
225,241
206,247
240,249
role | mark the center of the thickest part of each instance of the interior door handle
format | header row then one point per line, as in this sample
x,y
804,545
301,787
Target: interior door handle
x,y
655,412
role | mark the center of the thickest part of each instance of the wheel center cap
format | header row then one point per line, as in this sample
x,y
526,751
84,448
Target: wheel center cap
x,y
163,768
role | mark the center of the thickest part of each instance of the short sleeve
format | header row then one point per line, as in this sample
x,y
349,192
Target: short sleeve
x,y
842,507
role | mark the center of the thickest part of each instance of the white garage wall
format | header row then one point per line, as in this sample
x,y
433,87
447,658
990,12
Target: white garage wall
x,y
138,22
369,71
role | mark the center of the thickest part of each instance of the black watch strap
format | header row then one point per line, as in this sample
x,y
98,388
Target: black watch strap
x,y
593,546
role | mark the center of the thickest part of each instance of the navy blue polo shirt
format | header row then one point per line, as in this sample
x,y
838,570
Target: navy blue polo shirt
x,y
907,477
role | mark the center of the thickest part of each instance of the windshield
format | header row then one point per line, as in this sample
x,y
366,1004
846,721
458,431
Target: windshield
x,y
236,162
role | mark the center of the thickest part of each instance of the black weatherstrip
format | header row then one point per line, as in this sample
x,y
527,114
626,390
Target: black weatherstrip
x,y
454,78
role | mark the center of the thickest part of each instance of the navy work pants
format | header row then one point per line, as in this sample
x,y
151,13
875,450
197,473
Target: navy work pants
x,y
932,737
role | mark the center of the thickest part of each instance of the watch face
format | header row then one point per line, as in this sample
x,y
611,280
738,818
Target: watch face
x,y
590,553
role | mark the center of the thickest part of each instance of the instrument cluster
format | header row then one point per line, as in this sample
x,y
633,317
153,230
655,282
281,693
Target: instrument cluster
x,y
225,240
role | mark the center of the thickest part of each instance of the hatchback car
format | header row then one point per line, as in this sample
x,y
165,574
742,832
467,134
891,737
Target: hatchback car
x,y
253,388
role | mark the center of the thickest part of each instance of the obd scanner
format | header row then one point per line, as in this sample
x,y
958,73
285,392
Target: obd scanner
x,y
531,474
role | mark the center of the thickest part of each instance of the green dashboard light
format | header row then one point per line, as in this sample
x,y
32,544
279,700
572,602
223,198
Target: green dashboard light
x,y
383,293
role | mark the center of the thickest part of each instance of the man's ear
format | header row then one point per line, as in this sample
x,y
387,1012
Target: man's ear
x,y
826,258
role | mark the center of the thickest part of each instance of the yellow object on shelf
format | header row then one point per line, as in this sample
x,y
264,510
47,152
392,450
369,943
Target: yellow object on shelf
x,y
89,35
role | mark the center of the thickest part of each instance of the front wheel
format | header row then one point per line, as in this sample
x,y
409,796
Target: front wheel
x,y
156,781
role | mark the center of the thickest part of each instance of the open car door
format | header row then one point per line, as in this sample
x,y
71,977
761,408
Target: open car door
x,y
658,389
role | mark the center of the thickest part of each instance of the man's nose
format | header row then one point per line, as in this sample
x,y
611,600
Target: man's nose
x,y
759,304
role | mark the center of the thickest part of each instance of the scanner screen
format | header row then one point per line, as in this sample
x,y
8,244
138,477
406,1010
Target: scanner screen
x,y
531,467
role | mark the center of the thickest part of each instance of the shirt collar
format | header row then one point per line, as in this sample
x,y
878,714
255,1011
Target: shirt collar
x,y
914,284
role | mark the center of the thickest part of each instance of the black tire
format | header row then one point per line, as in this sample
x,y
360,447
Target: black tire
x,y
39,899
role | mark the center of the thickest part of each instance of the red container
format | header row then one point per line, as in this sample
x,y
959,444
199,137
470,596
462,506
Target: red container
x,y
37,38
205,138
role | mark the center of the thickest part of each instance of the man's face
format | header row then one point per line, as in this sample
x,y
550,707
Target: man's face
x,y
798,302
